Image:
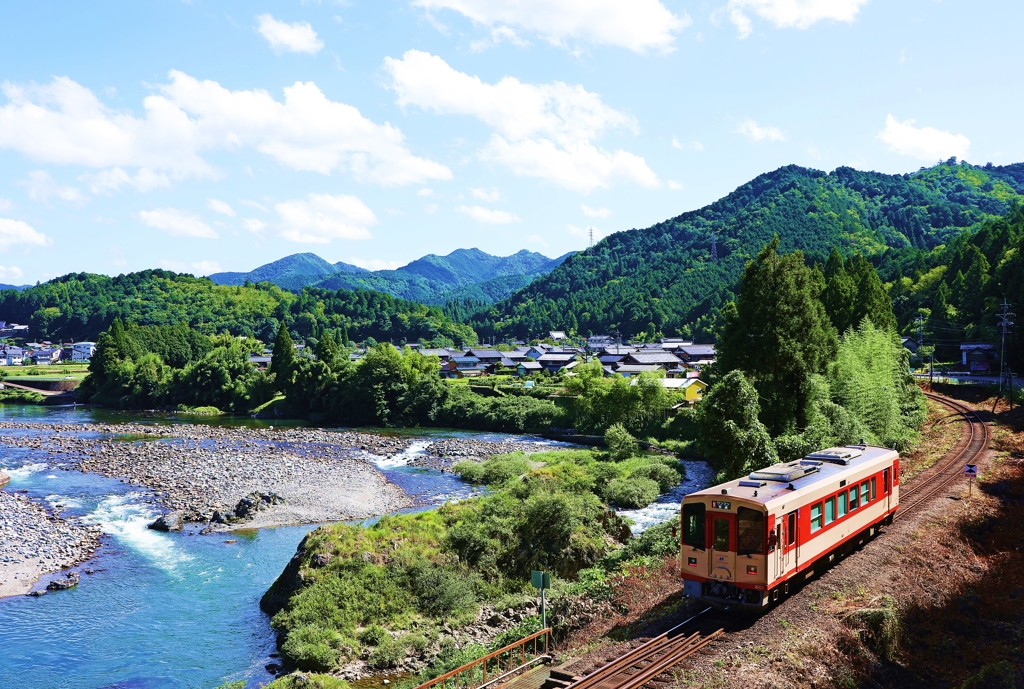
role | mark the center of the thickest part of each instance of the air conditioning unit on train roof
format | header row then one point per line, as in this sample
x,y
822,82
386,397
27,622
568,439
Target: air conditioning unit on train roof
x,y
783,473
836,455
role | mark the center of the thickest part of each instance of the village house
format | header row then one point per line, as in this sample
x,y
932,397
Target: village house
x,y
81,352
45,357
525,368
696,354
556,362
661,359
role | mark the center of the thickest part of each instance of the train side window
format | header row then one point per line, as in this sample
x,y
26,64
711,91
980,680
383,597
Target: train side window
x,y
874,486
864,496
830,510
815,517
791,528
853,498
842,505
751,531
885,482
694,533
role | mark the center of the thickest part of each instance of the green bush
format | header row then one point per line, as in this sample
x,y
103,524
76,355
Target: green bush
x,y
666,477
621,445
441,592
316,648
388,654
498,470
415,642
374,635
632,493
308,682
470,471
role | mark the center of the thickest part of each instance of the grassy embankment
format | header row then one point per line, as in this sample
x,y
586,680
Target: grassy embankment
x,y
400,587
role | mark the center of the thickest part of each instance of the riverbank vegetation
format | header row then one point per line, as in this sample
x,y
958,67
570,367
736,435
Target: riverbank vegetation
x,y
384,591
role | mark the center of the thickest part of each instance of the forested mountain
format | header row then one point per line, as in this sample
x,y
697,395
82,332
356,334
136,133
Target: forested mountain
x,y
291,272
82,306
665,279
433,279
436,279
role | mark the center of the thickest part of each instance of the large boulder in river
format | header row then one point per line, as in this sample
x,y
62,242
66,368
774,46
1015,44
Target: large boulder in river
x,y
254,502
172,521
69,581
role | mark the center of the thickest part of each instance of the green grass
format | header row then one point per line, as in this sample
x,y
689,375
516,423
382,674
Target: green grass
x,y
197,411
15,396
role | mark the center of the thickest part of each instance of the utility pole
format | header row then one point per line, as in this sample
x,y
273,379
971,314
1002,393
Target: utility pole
x,y
920,344
1005,323
714,246
590,230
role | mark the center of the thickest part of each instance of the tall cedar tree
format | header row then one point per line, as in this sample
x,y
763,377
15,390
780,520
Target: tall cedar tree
x,y
282,360
840,293
327,350
779,334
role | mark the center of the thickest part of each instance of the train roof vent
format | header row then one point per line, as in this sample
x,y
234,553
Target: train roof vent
x,y
747,483
784,473
836,455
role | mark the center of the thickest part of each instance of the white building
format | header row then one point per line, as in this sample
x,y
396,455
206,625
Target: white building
x,y
82,351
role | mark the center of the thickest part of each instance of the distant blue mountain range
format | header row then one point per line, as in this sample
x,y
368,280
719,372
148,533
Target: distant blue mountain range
x,y
433,279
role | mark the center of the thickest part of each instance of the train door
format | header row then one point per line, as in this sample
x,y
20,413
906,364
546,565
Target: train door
x,y
887,488
789,542
722,540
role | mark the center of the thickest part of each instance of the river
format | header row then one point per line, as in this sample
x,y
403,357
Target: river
x,y
172,610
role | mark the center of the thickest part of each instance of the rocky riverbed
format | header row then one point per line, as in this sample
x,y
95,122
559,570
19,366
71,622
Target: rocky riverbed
x,y
220,477
34,542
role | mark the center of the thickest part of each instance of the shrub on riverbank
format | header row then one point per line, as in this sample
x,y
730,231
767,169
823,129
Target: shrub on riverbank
x,y
380,591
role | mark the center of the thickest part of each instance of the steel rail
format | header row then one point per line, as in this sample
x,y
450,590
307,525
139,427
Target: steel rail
x,y
976,443
660,653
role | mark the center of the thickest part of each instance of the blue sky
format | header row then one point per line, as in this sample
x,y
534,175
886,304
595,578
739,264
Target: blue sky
x,y
204,136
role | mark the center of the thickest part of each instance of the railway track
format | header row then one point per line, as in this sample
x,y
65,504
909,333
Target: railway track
x,y
646,662
950,468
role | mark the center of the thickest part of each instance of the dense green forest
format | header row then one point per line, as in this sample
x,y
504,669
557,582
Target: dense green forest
x,y
957,289
663,279
84,305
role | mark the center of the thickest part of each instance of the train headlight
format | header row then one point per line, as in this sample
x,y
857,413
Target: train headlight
x,y
691,561
751,569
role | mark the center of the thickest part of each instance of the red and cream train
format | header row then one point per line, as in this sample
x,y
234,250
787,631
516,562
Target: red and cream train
x,y
743,543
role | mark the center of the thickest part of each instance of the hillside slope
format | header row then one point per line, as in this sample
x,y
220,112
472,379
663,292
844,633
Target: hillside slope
x,y
664,278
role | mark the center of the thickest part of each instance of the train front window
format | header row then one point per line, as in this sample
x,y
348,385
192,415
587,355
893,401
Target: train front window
x,y
694,534
721,534
751,531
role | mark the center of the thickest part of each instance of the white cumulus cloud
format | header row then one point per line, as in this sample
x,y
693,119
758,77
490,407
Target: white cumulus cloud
x,y
638,25
294,38
18,232
254,225
195,267
177,223
800,14
322,217
595,212
222,207
752,130
540,130
41,186
65,123
923,143
675,186
486,215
